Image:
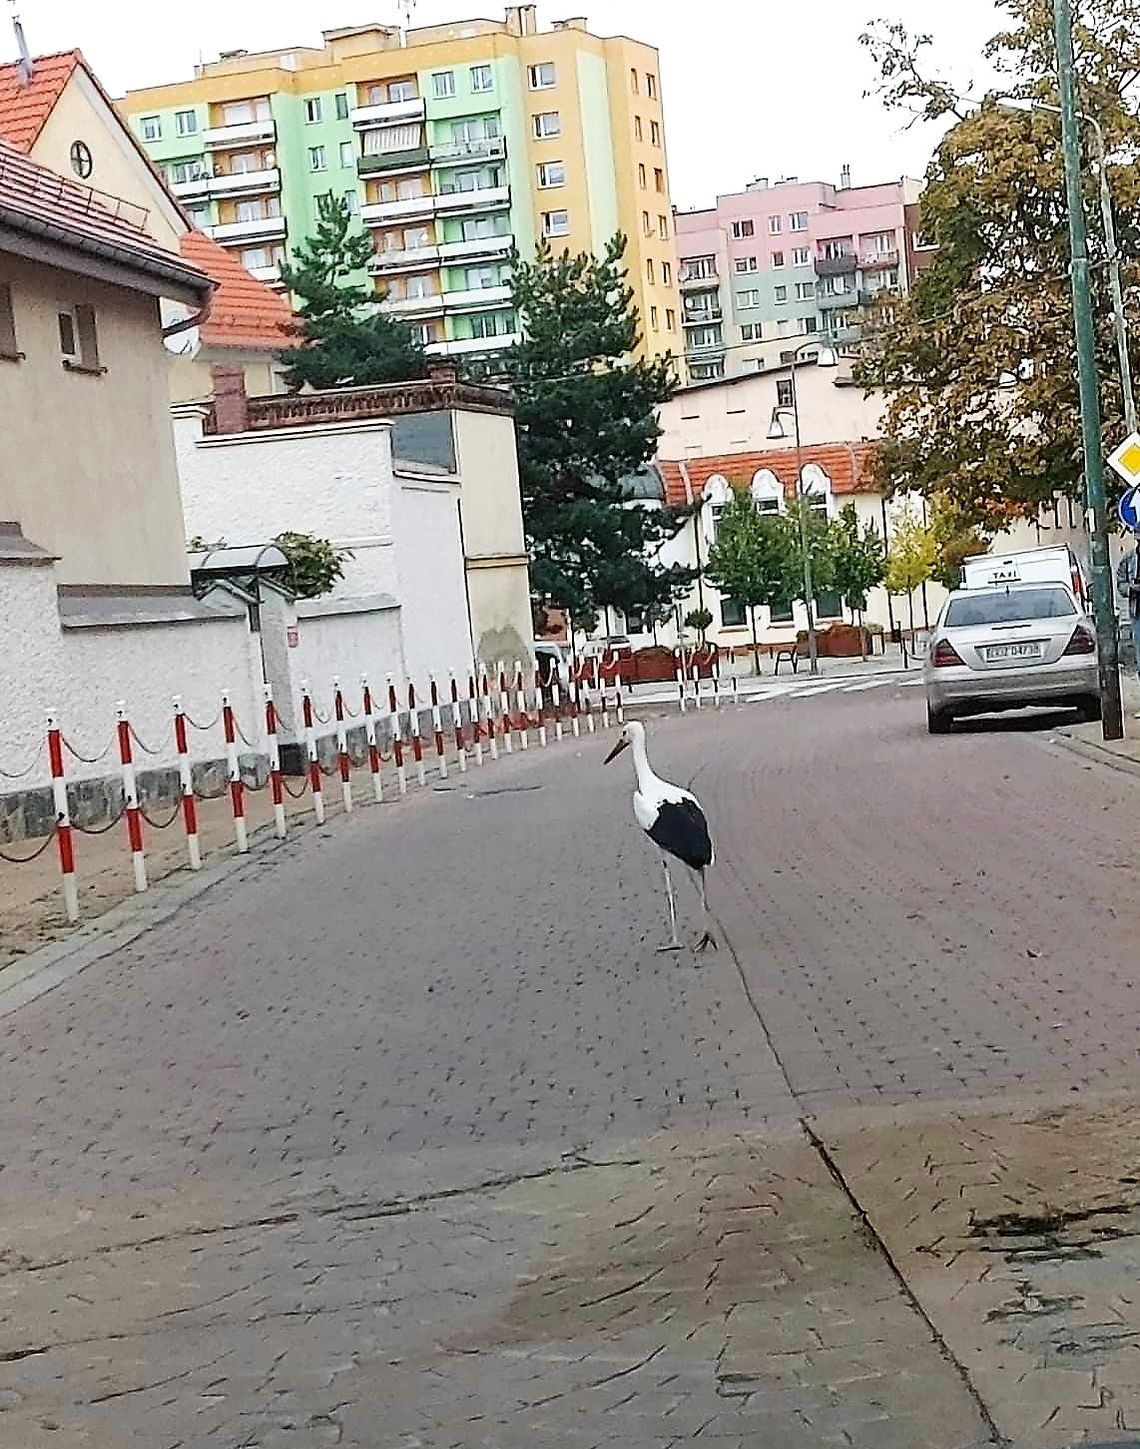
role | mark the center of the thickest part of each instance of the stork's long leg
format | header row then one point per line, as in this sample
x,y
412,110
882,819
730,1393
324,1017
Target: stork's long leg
x,y
674,943
707,937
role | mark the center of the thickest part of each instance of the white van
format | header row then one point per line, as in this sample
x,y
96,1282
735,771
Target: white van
x,y
1057,564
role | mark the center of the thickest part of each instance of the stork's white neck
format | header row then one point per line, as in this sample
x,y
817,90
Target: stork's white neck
x,y
646,779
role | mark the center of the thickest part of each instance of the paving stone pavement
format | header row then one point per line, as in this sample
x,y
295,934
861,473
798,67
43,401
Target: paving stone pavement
x,y
415,1141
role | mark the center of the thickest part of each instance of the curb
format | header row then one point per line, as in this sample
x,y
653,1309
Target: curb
x,y
1098,754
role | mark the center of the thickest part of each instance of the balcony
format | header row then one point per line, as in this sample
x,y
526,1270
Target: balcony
x,y
466,346
240,134
695,281
270,274
705,349
379,162
387,113
431,306
482,248
826,301
404,208
702,319
475,298
237,183
461,153
483,198
405,259
879,261
835,266
262,228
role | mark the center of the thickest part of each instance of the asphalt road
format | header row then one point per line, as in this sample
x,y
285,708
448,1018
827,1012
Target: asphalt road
x,y
416,1141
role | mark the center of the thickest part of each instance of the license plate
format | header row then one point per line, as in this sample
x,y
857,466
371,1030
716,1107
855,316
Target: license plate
x,y
993,652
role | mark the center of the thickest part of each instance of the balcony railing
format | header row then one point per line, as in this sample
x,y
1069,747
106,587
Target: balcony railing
x,y
459,153
429,306
405,259
835,266
705,349
403,208
387,113
262,228
827,300
483,198
241,133
476,248
445,203
695,279
878,261
466,346
236,183
379,161
270,274
702,319
474,298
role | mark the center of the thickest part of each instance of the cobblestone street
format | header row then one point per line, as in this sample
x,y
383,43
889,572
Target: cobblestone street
x,y
411,1139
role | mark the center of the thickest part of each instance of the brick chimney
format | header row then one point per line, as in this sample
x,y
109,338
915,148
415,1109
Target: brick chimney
x,y
231,412
442,372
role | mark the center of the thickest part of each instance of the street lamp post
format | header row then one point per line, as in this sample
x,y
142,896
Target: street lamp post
x,y
1112,719
825,358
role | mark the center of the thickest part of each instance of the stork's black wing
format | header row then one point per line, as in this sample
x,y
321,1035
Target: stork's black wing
x,y
682,830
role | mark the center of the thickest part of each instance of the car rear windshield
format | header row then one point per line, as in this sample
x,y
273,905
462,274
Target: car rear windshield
x,y
968,610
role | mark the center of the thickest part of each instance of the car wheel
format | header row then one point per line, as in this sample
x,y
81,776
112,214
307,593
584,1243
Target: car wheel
x,y
938,721
1088,707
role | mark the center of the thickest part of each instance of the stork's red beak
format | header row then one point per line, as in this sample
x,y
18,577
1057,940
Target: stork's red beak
x,y
616,751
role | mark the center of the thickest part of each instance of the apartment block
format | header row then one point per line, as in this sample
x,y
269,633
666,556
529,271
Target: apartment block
x,y
790,260
451,143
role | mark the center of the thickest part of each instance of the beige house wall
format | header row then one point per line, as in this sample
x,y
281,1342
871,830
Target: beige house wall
x,y
190,379
87,464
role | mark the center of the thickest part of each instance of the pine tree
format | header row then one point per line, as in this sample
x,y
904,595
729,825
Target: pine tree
x,y
586,415
345,338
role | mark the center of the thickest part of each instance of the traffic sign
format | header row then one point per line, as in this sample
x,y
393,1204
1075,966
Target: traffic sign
x,y
1126,460
1129,510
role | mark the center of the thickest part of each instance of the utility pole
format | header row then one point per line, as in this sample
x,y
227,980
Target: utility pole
x,y
1104,602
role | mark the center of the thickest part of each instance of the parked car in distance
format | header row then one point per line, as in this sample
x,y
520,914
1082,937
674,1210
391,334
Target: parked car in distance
x,y
1007,648
1056,564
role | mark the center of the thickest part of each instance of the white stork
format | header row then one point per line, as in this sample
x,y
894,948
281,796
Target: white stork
x,y
674,821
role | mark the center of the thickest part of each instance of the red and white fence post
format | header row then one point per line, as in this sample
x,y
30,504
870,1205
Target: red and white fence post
x,y
575,692
522,719
397,738
735,674
587,701
473,711
63,837
416,737
276,787
186,786
505,709
457,723
539,701
556,702
311,753
237,789
343,762
437,727
680,658
695,675
370,737
489,713
130,796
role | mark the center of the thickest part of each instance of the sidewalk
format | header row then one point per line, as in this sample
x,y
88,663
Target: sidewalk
x,y
1086,739
749,684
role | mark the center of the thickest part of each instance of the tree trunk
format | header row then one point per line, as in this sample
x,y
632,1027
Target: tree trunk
x,y
910,600
862,636
755,641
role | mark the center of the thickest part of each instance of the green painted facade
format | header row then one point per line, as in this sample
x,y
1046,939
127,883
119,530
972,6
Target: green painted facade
x,y
594,99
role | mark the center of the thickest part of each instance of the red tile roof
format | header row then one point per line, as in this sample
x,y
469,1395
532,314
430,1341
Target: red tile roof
x,y
25,106
36,201
245,313
846,464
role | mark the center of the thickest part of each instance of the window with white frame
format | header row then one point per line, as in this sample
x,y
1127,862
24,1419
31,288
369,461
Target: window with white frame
x,y
347,153
387,140
352,200
186,123
707,336
805,291
482,78
801,257
775,225
748,298
443,84
317,159
785,392
696,269
780,294
312,110
798,221
751,332
477,279
151,128
542,77
546,124
180,172
717,497
816,487
732,613
767,492
777,261
556,223
340,105
747,264
743,226
492,324
550,175
79,339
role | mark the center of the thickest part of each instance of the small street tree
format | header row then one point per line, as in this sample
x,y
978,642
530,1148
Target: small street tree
x,y
345,339
586,416
755,559
699,620
911,556
859,561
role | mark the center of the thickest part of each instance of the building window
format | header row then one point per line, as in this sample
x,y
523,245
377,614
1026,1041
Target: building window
x,y
746,264
312,110
805,291
79,339
317,161
797,221
706,336
651,85
8,346
731,613
653,319
637,128
183,171
347,153
649,277
666,274
777,260
443,84
695,269
482,78
654,133
751,332
782,613
670,320
801,257
828,604
882,243
81,162
352,201
255,257
186,123
658,179
341,102
542,77
775,225
811,324
743,227
780,294
646,224
492,324
551,174
258,208
750,298
641,181
200,217
663,227
784,392
556,223
546,124
151,128
633,85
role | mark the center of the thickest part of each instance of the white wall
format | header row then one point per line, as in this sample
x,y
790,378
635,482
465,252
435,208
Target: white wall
x,y
347,644
430,571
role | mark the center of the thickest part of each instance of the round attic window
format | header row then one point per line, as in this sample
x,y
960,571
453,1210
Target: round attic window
x,y
81,162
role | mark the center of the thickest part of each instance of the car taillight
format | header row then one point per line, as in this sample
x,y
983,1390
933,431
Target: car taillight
x,y
1082,642
944,654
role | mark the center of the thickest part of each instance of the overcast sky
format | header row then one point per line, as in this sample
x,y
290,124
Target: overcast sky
x,y
751,87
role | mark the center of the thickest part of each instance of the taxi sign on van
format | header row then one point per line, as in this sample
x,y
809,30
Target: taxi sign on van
x,y
1126,460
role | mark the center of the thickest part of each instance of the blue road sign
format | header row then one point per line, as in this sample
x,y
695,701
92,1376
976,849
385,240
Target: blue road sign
x,y
1129,510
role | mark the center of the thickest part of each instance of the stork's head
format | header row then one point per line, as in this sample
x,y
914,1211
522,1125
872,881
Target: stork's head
x,y
634,732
